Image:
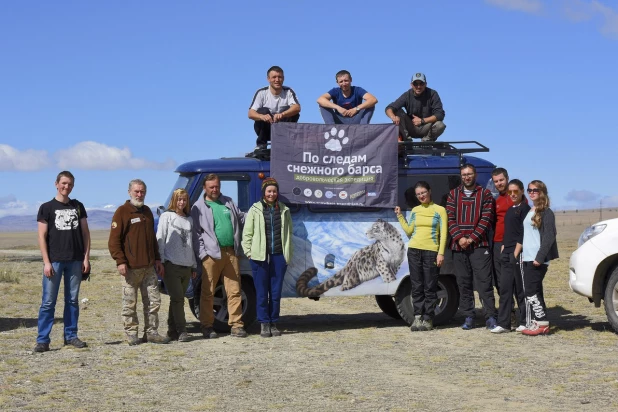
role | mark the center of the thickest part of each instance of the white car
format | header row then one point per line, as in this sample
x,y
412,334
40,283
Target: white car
x,y
594,267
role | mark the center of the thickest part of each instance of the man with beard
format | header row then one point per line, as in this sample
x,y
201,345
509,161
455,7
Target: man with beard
x,y
133,245
470,210
423,115
500,177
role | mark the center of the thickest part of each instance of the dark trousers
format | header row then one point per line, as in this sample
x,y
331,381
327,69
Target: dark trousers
x,y
426,132
262,128
177,281
473,267
511,282
331,116
268,280
533,286
424,279
497,260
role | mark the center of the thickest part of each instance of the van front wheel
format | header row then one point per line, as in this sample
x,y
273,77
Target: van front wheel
x,y
388,306
446,307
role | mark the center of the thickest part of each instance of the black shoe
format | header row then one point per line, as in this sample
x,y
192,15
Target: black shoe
x,y
239,332
172,334
265,330
76,342
273,330
41,347
209,333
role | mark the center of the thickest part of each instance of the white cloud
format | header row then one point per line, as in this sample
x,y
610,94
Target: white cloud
x,y
14,207
97,156
585,199
581,196
609,17
22,160
526,6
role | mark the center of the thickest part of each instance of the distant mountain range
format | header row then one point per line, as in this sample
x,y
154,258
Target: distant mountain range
x,y
97,220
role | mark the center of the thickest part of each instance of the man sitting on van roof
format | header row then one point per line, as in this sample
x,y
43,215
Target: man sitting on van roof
x,y
347,105
423,113
272,104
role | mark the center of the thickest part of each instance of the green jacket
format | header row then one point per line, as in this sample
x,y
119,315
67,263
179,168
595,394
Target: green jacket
x,y
254,233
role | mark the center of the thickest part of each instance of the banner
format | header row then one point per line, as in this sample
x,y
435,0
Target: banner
x,y
339,165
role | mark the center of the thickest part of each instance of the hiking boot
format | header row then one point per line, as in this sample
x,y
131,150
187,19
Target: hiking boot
x,y
41,347
265,330
133,340
238,332
154,337
172,334
538,327
491,323
426,324
273,330
183,337
76,342
415,327
209,333
499,329
468,323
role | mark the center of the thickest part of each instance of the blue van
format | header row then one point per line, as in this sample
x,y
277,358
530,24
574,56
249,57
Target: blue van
x,y
326,237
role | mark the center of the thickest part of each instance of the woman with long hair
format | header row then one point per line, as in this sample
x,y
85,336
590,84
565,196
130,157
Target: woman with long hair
x,y
511,276
267,242
427,230
176,249
539,248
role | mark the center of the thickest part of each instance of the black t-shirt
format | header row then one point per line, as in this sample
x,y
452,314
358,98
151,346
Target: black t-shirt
x,y
514,226
64,234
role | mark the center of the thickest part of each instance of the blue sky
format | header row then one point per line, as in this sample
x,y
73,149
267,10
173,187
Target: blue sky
x,y
116,90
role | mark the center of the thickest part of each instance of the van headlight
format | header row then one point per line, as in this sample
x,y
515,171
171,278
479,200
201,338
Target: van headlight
x,y
589,233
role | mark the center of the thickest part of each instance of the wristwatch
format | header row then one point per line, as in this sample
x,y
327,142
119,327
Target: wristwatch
x,y
357,109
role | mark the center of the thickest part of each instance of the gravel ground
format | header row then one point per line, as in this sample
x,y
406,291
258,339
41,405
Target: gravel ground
x,y
335,354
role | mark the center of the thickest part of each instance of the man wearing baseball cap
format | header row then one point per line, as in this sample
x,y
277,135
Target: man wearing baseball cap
x,y
418,112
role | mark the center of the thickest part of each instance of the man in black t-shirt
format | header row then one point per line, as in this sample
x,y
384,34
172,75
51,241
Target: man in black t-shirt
x,y
64,240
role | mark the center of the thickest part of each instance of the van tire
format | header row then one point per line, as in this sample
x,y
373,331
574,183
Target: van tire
x,y
448,300
388,306
249,310
611,299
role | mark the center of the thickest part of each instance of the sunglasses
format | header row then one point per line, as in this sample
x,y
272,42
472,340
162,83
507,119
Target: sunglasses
x,y
513,192
534,190
417,84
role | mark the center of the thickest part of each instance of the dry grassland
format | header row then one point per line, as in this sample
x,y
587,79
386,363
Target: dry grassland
x,y
335,354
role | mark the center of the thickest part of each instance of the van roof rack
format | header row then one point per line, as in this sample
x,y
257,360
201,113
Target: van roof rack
x,y
408,148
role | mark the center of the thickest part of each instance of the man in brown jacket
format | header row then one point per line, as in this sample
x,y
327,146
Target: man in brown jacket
x,y
133,245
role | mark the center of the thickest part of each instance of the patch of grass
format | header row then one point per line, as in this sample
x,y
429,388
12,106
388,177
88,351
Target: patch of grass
x,y
9,275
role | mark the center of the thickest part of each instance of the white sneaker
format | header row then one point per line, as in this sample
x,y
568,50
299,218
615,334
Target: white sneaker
x,y
520,328
499,329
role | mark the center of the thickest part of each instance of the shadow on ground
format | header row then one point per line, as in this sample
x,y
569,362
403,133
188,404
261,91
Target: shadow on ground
x,y
7,324
564,319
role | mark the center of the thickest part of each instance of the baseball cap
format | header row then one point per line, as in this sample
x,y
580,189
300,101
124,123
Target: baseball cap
x,y
418,77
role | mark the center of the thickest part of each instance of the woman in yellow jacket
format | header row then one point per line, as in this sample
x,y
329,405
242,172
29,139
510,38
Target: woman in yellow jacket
x,y
267,242
427,230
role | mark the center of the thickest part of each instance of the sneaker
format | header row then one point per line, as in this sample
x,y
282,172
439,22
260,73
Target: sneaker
x,y
76,342
521,328
183,337
274,331
538,327
172,334
415,327
209,333
238,332
426,324
154,337
499,329
468,323
133,340
491,323
41,347
265,330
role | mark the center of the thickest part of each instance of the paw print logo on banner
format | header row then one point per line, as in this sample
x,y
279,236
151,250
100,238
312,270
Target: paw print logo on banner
x,y
335,139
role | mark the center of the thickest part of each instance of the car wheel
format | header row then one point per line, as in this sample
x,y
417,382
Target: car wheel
x,y
247,293
388,306
446,307
611,299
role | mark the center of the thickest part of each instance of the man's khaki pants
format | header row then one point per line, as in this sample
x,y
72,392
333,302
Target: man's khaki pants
x,y
144,280
213,269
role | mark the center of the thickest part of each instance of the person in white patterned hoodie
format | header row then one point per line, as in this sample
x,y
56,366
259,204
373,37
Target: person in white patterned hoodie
x,y
176,249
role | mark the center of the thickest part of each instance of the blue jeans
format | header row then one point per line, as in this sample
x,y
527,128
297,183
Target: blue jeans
x,y
268,280
331,116
72,270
